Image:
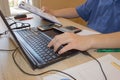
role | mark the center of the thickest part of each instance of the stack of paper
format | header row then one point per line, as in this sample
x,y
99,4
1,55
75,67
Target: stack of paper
x,y
91,70
38,12
87,32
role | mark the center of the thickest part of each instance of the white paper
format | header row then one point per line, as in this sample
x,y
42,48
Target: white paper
x,y
39,12
91,70
3,26
87,32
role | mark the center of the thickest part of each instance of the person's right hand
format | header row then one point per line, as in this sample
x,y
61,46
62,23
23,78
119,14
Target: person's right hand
x,y
72,40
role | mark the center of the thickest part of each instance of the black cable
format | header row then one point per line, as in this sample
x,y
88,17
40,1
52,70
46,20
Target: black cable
x,y
13,56
4,33
16,23
53,70
23,25
8,18
86,53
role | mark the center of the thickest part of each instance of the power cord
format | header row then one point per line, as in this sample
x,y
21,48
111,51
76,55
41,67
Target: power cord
x,y
87,54
53,70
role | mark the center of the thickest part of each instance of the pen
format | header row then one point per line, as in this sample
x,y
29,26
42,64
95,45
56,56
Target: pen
x,y
108,50
25,18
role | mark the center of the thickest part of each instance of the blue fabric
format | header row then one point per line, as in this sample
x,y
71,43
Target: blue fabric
x,y
101,15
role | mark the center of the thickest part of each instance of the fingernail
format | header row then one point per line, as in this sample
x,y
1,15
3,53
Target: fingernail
x,y
48,45
59,52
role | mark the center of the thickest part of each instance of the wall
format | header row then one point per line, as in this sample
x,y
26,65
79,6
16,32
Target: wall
x,y
59,4
4,7
36,3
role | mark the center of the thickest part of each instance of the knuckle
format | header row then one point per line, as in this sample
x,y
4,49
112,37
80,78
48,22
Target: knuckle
x,y
59,42
56,37
66,33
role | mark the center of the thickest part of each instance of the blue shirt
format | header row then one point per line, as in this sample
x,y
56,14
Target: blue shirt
x,y
101,15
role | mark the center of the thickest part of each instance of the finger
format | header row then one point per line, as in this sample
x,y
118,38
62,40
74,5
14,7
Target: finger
x,y
58,40
54,40
43,8
59,43
51,43
56,46
66,48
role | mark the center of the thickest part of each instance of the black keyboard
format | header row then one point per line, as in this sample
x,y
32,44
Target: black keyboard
x,y
38,42
35,44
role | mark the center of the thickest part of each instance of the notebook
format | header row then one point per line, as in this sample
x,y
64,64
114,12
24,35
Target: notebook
x,y
33,44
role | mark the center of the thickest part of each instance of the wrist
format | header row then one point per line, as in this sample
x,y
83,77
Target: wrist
x,y
92,41
56,13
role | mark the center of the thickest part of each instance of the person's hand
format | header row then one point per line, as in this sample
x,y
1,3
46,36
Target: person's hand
x,y
47,10
72,40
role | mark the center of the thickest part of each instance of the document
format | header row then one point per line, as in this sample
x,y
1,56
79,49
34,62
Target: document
x,y
87,32
91,70
38,12
2,26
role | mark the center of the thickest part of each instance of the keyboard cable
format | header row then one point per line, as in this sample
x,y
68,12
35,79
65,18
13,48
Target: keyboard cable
x,y
52,70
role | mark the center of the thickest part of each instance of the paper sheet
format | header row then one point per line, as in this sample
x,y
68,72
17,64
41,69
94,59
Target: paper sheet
x,y
87,32
39,12
2,25
91,70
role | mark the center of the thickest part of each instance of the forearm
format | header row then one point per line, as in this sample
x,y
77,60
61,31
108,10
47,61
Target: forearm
x,y
66,13
106,40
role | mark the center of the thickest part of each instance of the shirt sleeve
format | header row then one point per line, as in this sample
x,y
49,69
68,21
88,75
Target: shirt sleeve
x,y
84,10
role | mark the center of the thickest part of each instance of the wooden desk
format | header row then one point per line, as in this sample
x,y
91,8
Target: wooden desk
x,y
9,71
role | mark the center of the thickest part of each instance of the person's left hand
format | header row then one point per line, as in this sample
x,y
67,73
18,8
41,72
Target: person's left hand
x,y
47,10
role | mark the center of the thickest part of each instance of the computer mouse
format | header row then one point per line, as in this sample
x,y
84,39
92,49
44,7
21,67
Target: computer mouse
x,y
20,16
